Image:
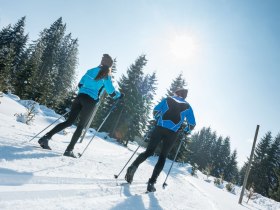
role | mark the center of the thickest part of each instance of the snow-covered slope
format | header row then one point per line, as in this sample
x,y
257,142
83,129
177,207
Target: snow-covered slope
x,y
32,178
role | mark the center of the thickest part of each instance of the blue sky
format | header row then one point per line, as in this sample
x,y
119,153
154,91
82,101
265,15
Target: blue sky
x,y
228,51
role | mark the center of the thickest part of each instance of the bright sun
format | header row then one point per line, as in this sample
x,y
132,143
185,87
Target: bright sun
x,y
183,47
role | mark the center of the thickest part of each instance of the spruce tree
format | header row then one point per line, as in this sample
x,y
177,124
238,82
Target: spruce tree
x,y
273,166
124,123
12,48
51,66
177,83
231,173
275,192
29,75
259,175
200,147
66,64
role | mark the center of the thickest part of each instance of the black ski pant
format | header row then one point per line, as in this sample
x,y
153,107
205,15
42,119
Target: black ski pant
x,y
83,104
168,138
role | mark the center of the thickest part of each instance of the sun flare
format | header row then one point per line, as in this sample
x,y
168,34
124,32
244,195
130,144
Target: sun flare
x,y
183,47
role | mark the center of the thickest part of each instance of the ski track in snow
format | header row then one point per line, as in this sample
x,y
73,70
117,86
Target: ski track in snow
x,y
91,189
213,205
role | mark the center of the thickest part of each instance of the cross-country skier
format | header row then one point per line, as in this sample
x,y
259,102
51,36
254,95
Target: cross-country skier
x,y
170,114
90,88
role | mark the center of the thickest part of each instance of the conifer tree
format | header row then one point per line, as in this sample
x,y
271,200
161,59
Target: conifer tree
x,y
12,48
275,192
130,111
124,123
177,83
201,145
29,75
259,174
66,64
274,166
51,66
231,173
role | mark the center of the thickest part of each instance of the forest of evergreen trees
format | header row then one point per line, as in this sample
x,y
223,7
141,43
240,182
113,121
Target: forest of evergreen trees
x,y
44,70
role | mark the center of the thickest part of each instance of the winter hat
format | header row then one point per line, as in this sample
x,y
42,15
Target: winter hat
x,y
106,60
182,93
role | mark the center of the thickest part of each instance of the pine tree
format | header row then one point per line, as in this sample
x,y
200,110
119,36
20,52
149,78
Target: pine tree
x,y
275,193
66,64
231,173
48,70
125,122
132,104
29,75
12,48
177,83
273,167
51,66
259,175
200,147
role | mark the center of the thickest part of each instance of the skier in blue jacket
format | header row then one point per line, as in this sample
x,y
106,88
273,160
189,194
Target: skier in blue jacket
x,y
170,114
91,86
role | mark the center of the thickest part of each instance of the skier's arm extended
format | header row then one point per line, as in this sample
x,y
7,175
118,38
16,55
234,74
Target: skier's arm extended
x,y
110,89
190,120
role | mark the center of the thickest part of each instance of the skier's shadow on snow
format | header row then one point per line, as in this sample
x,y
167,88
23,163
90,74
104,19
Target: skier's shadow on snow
x,y
135,202
13,178
9,153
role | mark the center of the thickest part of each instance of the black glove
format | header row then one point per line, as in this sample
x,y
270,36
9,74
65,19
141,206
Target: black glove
x,y
121,96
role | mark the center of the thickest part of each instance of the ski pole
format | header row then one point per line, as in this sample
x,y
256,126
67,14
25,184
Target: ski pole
x,y
67,111
113,107
164,184
145,139
116,176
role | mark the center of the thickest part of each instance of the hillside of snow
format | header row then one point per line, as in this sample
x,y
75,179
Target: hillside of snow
x,y
33,178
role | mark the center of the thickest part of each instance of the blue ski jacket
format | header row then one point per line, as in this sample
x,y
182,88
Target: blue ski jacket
x,y
88,85
171,112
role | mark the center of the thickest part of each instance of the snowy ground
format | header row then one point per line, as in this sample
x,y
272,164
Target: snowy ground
x,y
32,178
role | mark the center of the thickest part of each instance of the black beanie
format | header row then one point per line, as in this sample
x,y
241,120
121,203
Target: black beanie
x,y
182,93
106,60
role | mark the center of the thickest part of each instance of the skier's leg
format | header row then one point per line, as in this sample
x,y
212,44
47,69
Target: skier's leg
x,y
168,142
155,139
75,109
87,106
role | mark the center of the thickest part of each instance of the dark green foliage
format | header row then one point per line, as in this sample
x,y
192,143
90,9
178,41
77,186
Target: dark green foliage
x,y
259,174
274,193
274,168
12,49
51,66
206,149
45,71
264,172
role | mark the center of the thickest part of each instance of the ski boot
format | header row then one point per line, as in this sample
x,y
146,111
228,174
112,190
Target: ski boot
x,y
130,173
44,142
69,153
151,187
